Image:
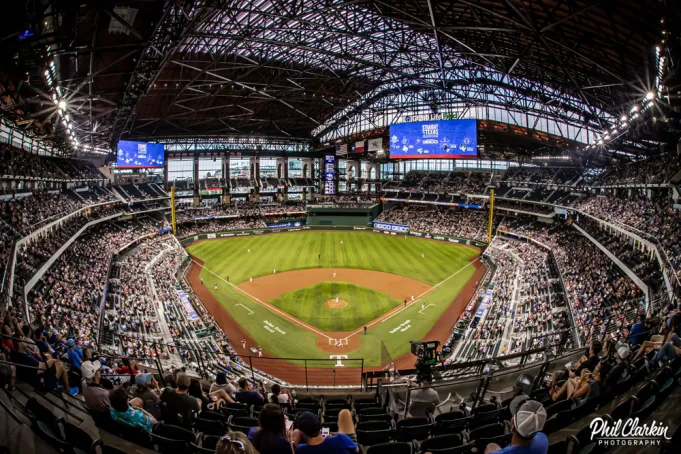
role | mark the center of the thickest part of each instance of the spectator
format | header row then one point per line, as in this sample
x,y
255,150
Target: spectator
x,y
96,396
146,389
635,333
278,396
42,374
121,411
528,418
235,443
89,365
308,438
247,396
213,400
221,383
620,369
270,435
178,400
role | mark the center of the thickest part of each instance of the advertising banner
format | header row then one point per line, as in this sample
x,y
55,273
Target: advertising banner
x,y
285,225
329,174
391,227
191,313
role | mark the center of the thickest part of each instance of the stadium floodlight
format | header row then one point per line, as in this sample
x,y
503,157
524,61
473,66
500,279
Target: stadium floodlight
x,y
606,137
624,124
600,142
623,118
634,109
650,95
62,105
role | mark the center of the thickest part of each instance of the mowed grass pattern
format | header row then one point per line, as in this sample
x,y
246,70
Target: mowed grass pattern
x,y
301,250
288,251
307,304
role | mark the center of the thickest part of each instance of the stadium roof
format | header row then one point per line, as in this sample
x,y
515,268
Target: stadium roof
x,y
303,69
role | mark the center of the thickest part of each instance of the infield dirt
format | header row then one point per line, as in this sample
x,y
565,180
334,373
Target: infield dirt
x,y
323,376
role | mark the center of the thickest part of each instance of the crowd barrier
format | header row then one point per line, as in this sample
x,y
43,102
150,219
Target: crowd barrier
x,y
189,239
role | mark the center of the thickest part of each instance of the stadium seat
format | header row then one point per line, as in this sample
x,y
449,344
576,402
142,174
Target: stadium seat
x,y
491,433
172,439
373,432
81,441
584,443
413,429
623,410
559,406
242,424
106,449
484,418
645,401
209,426
213,416
559,447
557,422
441,444
390,448
452,422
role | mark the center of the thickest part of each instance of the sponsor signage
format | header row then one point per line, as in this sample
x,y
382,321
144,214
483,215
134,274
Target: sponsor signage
x,y
329,174
391,227
191,313
285,225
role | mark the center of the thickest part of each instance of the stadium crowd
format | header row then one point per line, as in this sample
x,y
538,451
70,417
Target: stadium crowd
x,y
464,223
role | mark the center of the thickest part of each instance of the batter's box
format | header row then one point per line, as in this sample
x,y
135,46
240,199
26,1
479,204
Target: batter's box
x,y
338,342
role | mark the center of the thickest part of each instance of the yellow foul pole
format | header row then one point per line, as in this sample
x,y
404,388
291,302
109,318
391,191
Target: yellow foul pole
x,y
491,216
172,209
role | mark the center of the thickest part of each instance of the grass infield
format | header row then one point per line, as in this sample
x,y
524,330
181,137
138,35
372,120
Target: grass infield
x,y
307,304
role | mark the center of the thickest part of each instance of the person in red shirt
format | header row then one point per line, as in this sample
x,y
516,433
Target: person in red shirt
x,y
128,367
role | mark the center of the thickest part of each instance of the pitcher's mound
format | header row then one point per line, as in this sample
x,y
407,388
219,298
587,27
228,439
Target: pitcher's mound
x,y
333,304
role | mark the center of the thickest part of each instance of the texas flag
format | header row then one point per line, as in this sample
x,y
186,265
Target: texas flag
x,y
359,147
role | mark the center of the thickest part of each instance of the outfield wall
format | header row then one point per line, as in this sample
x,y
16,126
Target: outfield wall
x,y
186,241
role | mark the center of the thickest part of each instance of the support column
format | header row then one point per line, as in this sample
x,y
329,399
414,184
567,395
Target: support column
x,y
165,173
283,175
256,176
226,184
197,198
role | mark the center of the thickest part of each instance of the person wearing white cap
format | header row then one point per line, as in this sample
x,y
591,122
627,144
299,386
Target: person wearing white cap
x,y
528,418
619,370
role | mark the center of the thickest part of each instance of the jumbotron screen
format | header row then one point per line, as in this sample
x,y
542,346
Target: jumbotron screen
x,y
440,139
139,155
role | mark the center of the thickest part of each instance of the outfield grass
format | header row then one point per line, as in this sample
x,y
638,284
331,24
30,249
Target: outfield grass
x,y
360,250
307,304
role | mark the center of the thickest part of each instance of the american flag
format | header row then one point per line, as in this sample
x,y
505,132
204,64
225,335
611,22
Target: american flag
x,y
341,149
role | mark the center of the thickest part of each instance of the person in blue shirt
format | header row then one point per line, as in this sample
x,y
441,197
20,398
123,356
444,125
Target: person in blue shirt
x,y
75,354
636,330
308,438
528,418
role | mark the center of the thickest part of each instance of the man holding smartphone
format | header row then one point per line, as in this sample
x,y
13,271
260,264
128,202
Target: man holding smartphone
x,y
309,438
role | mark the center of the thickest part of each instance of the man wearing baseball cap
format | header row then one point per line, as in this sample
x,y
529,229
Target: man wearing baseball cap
x,y
308,438
527,422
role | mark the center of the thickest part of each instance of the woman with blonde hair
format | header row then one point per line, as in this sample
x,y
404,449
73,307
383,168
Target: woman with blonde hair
x,y
234,443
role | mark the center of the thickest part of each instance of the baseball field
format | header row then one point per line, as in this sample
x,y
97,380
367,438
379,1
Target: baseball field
x,y
311,294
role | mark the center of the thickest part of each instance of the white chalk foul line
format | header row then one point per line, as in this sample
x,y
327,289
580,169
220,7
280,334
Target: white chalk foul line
x,y
426,307
250,312
389,315
268,306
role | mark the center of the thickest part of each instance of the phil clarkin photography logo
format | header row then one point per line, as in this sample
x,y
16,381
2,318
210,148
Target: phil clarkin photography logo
x,y
627,432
